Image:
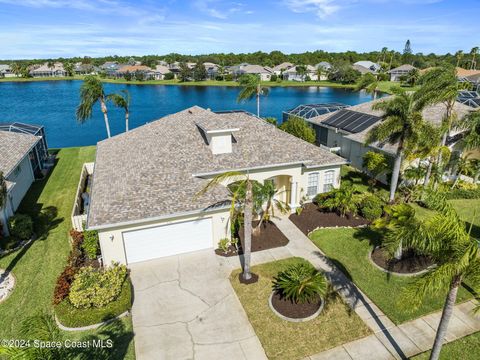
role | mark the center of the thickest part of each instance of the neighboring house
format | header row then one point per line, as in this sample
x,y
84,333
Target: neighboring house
x,y
363,70
147,71
474,80
398,72
292,74
325,65
46,70
84,69
6,71
212,69
470,98
345,131
110,67
307,111
374,67
463,74
22,157
279,69
145,202
264,72
160,72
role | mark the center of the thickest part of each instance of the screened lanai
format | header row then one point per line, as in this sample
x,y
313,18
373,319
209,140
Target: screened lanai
x,y
308,111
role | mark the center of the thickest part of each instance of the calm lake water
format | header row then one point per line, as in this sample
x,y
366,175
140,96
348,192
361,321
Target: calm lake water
x,y
53,104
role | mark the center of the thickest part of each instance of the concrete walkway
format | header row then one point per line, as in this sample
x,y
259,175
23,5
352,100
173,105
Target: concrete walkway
x,y
388,341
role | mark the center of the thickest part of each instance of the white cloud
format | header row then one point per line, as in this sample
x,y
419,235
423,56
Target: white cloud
x,y
323,8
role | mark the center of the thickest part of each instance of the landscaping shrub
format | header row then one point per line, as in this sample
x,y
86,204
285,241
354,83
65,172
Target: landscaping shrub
x,y
371,207
301,283
343,201
21,226
70,316
321,197
64,282
97,288
169,76
274,77
228,77
90,243
463,194
224,244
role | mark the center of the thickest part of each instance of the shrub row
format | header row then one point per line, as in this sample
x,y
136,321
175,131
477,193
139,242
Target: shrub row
x,y
463,194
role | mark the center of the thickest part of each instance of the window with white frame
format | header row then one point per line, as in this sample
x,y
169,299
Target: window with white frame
x,y
328,180
312,185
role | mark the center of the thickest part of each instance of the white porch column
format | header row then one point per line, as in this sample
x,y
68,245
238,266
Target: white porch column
x,y
293,195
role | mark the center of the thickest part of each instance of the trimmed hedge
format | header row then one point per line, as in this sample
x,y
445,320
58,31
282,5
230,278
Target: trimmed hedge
x,y
463,194
70,316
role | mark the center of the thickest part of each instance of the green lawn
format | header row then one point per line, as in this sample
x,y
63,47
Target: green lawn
x,y
281,339
349,249
467,348
36,267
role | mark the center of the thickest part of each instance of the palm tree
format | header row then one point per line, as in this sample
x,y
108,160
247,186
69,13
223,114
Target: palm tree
x,y
252,86
3,191
446,238
440,85
459,56
472,127
464,166
369,83
384,53
122,100
402,121
301,70
92,92
244,183
269,196
474,53
320,72
392,55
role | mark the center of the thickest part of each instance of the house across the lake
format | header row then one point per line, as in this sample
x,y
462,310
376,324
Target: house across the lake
x,y
403,70
49,70
145,200
264,72
23,156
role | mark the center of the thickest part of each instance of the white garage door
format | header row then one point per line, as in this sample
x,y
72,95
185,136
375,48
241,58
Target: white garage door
x,y
166,240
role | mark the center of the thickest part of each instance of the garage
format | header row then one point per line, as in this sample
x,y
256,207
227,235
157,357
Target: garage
x,y
167,240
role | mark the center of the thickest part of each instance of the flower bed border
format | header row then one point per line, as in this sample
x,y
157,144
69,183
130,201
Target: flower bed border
x,y
421,272
90,327
297,320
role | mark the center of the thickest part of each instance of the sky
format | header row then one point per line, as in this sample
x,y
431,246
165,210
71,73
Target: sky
x,y
64,28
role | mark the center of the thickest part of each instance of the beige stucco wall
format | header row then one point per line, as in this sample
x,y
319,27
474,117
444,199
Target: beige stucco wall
x,y
111,240
291,178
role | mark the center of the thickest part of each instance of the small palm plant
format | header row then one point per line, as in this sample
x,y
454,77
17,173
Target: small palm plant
x,y
301,283
343,200
268,196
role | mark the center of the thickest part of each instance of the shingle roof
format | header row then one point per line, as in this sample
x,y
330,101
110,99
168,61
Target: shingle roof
x,y
282,66
433,114
404,67
149,171
13,148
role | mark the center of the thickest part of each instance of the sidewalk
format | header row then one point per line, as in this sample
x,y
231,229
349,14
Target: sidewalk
x,y
388,341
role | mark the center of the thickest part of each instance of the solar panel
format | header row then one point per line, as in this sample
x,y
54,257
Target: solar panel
x,y
351,121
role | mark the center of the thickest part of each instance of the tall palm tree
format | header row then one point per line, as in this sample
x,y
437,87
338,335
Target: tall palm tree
x,y
402,122
369,83
122,100
474,53
244,184
320,72
440,85
252,87
472,127
301,70
447,239
384,53
92,92
3,191
459,56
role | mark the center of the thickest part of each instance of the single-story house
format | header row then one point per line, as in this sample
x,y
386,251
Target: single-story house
x,y
292,74
6,71
84,69
345,131
144,196
363,70
22,157
398,72
147,71
368,65
49,70
325,65
264,72
212,69
159,72
279,69
470,98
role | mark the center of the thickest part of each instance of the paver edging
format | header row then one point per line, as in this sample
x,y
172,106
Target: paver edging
x,y
90,327
286,318
421,272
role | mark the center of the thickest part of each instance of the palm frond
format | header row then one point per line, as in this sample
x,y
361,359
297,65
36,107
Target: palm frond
x,y
229,176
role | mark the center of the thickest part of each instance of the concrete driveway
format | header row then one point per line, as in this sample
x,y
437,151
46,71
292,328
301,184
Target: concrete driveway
x,y
185,308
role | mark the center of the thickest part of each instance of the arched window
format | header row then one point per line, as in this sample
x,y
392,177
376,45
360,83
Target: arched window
x,y
312,185
328,180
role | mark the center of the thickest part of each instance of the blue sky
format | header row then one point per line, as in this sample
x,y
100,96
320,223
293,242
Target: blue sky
x,y
55,28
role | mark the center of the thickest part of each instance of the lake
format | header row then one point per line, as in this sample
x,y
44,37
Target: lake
x,y
53,104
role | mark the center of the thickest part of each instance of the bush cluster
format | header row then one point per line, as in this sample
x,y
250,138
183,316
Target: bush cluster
x,y
463,194
90,244
371,207
97,287
21,226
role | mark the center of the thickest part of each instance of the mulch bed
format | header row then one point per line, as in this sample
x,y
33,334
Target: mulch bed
x,y
312,218
410,262
268,237
292,310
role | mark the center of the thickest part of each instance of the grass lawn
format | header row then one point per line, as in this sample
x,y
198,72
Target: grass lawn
x,y
386,86
349,248
467,348
281,339
36,267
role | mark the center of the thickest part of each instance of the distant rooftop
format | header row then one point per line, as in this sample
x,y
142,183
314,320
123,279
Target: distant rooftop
x,y
307,111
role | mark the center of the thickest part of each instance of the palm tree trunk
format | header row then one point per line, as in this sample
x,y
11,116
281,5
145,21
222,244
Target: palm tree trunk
x,y
445,319
248,230
127,115
375,94
105,116
428,174
258,100
395,176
